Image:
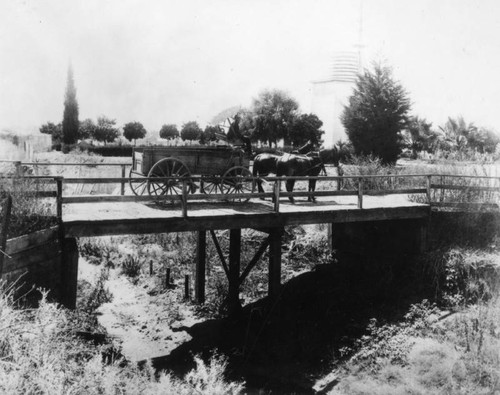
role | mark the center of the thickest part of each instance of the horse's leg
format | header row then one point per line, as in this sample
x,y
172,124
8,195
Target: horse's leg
x,y
312,188
289,188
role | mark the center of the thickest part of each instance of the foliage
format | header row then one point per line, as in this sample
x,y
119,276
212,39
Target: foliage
x,y
30,211
134,131
70,122
376,114
274,112
54,130
221,117
419,136
169,132
306,127
191,131
131,266
87,129
483,140
41,355
211,133
455,134
105,130
107,150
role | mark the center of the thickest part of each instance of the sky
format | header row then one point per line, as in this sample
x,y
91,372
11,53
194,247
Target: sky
x,y
166,61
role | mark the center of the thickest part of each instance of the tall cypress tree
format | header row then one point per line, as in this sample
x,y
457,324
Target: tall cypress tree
x,y
70,118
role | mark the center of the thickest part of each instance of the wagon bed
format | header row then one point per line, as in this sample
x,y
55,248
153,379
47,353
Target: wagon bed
x,y
219,169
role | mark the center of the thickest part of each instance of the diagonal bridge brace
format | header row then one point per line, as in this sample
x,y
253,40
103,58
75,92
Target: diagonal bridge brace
x,y
262,248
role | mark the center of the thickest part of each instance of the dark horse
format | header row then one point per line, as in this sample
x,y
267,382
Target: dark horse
x,y
291,165
263,165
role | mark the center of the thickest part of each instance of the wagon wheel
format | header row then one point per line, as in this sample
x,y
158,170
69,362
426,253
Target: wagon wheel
x,y
237,180
211,185
139,188
168,167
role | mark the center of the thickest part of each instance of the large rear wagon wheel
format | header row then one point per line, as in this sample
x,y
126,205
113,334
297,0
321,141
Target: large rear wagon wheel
x,y
236,181
168,167
138,188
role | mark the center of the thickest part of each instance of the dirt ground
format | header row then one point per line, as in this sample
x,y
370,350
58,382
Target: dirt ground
x,y
143,321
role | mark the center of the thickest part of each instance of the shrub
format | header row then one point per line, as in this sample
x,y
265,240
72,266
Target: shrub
x,y
131,266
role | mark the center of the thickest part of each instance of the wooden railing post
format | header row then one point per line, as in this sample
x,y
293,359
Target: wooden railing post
x,y
122,190
184,198
429,189
360,192
59,184
277,188
441,198
4,226
18,170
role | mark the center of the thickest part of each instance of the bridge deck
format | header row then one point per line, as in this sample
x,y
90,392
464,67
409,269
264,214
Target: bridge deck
x,y
99,219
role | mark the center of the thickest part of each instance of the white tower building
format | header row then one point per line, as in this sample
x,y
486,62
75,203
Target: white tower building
x,y
331,94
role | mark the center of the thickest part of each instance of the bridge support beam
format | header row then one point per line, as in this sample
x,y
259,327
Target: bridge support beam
x,y
200,272
233,298
401,236
274,262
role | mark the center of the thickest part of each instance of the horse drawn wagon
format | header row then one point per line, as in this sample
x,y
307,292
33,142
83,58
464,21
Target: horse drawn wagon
x,y
211,169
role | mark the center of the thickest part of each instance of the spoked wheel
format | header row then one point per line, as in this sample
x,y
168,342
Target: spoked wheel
x,y
138,188
236,181
168,167
211,185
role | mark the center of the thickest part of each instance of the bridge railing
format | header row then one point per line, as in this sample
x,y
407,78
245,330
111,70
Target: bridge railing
x,y
441,190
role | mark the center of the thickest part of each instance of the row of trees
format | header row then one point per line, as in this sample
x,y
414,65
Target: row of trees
x,y
378,122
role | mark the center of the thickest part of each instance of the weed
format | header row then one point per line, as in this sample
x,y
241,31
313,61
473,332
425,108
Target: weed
x,y
131,266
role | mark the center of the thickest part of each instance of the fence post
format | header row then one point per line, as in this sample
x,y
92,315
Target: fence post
x,y
18,170
441,198
184,198
122,190
360,192
6,209
429,189
277,188
59,184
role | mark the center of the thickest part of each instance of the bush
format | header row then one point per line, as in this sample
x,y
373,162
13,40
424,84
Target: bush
x,y
107,150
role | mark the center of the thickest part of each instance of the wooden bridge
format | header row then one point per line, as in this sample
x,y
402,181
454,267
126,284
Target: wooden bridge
x,y
403,199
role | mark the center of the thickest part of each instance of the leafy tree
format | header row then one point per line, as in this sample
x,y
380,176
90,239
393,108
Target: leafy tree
x,y
456,133
54,130
483,140
134,131
419,136
376,114
210,133
169,132
191,131
306,127
274,112
70,122
225,114
87,129
105,130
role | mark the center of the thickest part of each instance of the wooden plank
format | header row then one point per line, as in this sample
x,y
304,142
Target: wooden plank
x,y
465,187
118,226
35,238
32,256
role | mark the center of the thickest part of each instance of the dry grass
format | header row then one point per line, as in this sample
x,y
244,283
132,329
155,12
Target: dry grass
x,y
40,355
431,351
